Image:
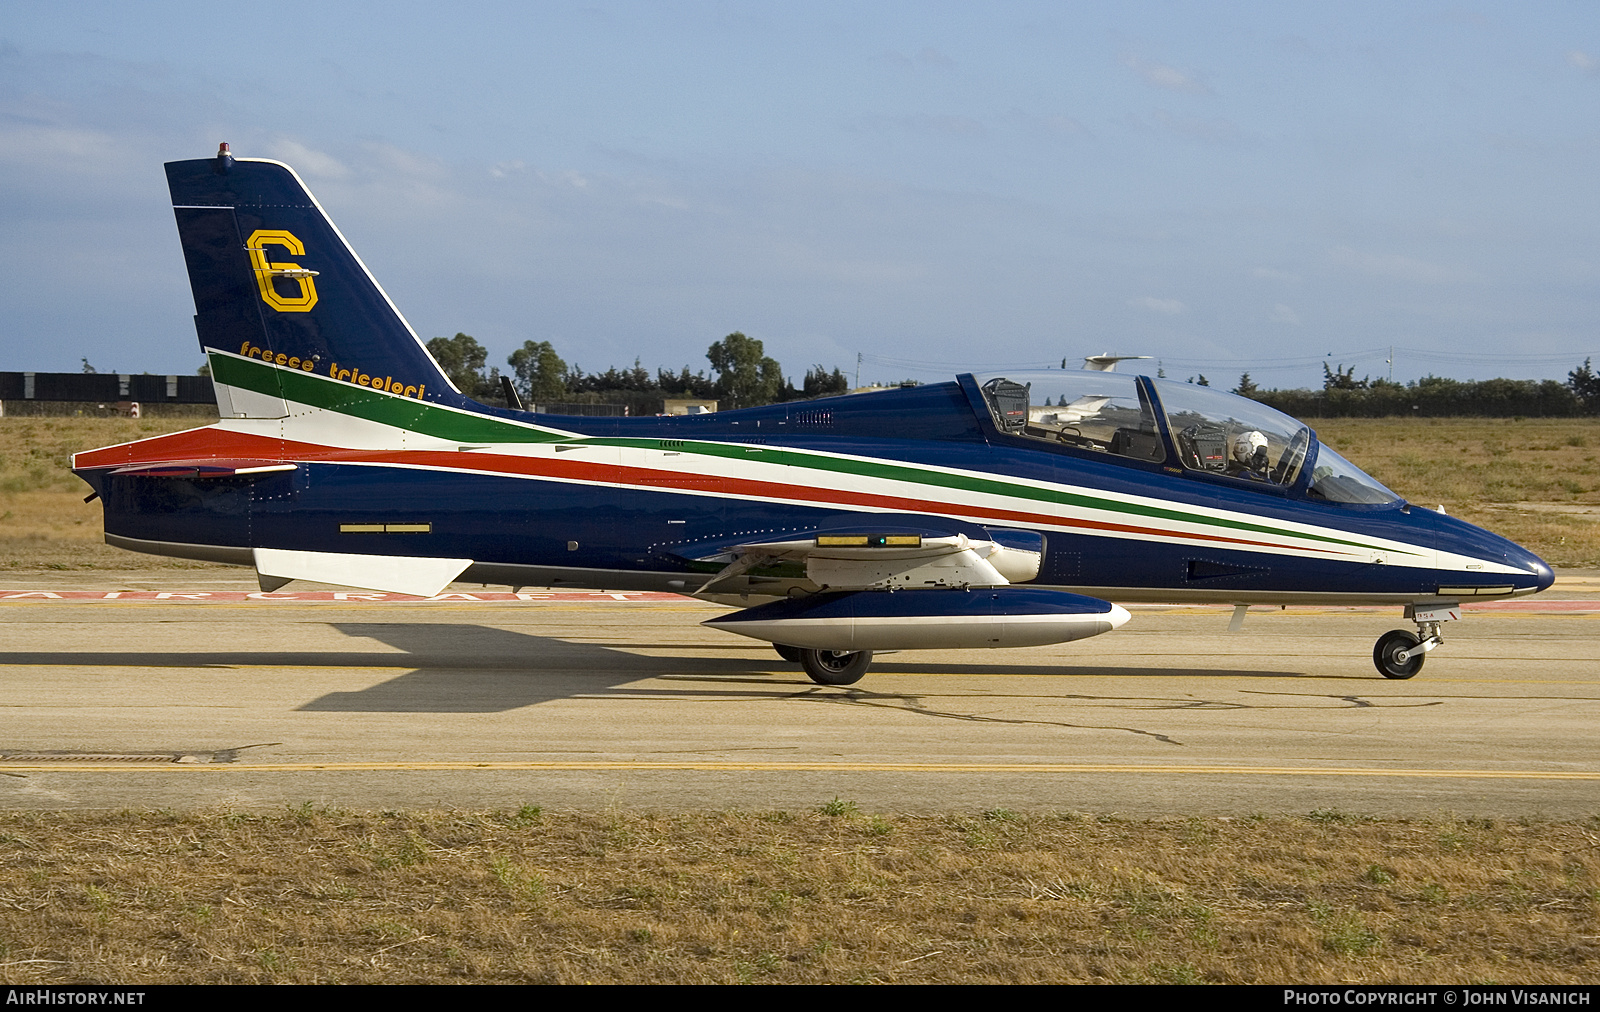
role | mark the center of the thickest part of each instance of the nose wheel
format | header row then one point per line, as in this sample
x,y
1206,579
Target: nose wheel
x,y
1400,653
1396,654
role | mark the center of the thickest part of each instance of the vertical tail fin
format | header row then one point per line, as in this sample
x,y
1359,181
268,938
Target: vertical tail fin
x,y
274,282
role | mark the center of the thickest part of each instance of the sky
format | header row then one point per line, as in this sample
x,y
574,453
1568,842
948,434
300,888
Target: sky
x,y
907,189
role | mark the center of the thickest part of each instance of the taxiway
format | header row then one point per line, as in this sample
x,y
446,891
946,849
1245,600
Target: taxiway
x,y
592,701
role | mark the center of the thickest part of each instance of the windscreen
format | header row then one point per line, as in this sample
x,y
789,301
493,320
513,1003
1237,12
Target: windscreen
x,y
1337,480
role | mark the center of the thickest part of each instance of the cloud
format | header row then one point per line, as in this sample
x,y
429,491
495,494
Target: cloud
x,y
570,178
1273,274
1063,125
1283,314
1050,124
1159,75
938,125
401,161
307,161
54,149
1213,131
1392,266
1166,307
1583,61
928,57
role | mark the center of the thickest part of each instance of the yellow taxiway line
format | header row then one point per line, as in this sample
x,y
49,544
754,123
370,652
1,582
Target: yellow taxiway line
x,y
793,767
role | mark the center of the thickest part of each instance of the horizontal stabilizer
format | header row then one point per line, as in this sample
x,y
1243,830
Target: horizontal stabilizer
x,y
393,573
208,468
947,619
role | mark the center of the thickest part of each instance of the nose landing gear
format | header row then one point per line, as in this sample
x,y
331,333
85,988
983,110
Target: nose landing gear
x,y
1399,654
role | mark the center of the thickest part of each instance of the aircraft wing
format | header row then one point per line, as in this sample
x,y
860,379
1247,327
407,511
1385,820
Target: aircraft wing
x,y
889,558
1067,414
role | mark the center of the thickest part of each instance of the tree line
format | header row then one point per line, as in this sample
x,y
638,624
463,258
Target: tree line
x,y
743,376
1344,396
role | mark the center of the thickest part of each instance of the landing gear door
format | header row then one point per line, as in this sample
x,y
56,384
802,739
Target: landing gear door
x,y
1018,555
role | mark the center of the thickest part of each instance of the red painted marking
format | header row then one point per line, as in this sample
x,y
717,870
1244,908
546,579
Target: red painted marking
x,y
363,597
1536,605
219,443
1590,606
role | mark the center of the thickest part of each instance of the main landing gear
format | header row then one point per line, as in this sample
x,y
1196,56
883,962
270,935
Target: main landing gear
x,y
828,667
834,667
1400,653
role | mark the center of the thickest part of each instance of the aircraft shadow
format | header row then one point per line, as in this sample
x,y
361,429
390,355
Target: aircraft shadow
x,y
479,669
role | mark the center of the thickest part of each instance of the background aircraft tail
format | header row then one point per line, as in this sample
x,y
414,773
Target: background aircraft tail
x,y
277,289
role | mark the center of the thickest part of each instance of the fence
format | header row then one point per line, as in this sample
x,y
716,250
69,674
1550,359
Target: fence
x,y
40,392
78,386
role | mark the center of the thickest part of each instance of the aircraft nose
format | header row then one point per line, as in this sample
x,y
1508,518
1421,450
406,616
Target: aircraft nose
x,y
1539,572
1529,574
1542,571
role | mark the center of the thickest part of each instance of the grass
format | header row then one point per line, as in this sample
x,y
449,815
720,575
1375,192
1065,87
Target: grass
x,y
1513,477
334,896
44,522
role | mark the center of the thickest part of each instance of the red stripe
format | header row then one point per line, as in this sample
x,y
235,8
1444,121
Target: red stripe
x,y
355,597
221,443
616,474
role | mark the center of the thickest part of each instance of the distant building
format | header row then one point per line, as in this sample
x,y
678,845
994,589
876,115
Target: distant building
x,y
688,406
878,388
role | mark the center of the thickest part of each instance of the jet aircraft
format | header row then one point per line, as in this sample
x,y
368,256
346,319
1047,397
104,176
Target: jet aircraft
x,y
996,509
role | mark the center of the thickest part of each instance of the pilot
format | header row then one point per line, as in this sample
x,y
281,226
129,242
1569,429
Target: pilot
x,y
1249,456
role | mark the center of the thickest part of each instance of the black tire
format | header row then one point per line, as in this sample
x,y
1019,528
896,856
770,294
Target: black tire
x,y
834,667
788,653
1390,644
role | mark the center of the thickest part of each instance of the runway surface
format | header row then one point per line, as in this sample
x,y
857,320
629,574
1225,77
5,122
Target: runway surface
x,y
214,696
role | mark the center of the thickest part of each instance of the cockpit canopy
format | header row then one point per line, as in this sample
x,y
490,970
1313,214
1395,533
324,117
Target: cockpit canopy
x,y
1210,431
1090,411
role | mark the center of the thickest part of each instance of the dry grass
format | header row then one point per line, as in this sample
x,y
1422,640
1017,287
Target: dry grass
x,y
333,896
1483,470
44,522
1487,471
827,896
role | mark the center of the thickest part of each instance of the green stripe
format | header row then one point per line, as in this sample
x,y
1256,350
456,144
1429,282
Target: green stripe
x,y
966,483
459,426
373,405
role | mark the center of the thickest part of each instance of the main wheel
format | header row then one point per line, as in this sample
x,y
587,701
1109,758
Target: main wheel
x,y
834,667
788,653
1389,645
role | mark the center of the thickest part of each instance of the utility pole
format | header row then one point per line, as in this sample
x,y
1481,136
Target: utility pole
x,y
858,369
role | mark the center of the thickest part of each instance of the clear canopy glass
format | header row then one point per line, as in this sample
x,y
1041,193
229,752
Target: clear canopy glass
x,y
1096,411
1337,480
1214,431
1223,433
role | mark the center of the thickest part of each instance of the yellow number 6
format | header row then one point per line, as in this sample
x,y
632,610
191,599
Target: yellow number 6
x,y
265,272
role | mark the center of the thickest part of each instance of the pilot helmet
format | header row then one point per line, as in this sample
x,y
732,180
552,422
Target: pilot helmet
x,y
1246,444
